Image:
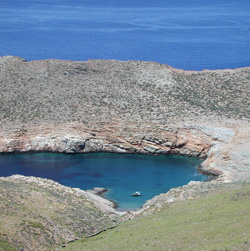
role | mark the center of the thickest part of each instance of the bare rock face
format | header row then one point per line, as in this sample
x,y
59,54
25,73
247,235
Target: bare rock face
x,y
231,159
160,141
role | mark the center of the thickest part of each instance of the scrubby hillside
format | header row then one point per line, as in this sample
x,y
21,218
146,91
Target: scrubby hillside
x,y
40,214
103,90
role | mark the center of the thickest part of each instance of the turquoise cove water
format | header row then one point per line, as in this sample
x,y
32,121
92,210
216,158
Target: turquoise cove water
x,y
122,174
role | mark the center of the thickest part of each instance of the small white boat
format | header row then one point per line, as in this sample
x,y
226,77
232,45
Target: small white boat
x,y
136,193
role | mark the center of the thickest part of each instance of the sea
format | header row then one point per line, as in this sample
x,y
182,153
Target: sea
x,y
121,174
190,35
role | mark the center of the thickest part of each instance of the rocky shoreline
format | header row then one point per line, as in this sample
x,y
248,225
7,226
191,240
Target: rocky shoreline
x,y
224,150
126,107
218,147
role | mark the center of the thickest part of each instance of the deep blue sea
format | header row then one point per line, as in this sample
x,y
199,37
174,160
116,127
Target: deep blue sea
x,y
192,35
122,174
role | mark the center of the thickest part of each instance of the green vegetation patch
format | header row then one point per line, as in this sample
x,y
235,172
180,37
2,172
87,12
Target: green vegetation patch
x,y
36,225
5,245
218,221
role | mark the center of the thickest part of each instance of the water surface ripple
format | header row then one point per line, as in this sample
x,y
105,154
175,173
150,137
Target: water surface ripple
x,y
191,35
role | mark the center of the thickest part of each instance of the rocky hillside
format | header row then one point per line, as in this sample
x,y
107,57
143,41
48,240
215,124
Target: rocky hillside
x,y
39,214
108,90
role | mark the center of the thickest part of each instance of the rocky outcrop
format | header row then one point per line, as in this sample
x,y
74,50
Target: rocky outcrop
x,y
224,150
231,158
161,141
98,190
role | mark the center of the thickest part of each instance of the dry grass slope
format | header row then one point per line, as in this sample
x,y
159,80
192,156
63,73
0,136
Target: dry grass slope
x,y
41,216
218,220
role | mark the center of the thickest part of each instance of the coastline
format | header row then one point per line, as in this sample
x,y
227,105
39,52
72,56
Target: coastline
x,y
209,146
218,147
126,107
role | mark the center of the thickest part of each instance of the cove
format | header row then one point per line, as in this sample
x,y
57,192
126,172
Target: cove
x,y
122,174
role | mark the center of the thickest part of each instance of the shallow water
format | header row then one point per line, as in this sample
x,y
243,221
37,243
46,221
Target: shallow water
x,y
191,35
122,174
